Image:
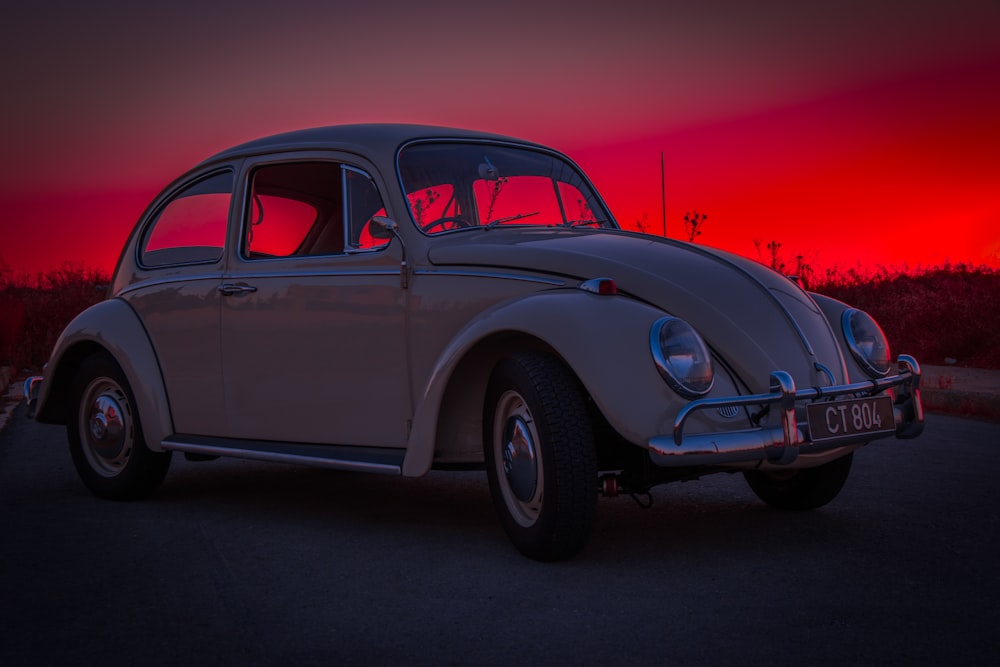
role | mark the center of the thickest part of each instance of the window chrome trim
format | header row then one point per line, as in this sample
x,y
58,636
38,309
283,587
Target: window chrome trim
x,y
164,199
500,142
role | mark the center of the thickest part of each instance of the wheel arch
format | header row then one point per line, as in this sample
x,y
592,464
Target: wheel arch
x,y
114,328
447,422
458,430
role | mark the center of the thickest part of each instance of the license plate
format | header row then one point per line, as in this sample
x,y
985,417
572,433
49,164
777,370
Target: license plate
x,y
846,419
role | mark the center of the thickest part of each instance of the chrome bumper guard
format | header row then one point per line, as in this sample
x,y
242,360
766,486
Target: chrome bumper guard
x,y
782,444
31,388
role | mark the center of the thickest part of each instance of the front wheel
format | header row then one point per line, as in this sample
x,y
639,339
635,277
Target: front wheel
x,y
802,489
105,435
540,456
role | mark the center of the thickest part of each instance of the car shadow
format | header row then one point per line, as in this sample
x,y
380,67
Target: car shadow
x,y
707,520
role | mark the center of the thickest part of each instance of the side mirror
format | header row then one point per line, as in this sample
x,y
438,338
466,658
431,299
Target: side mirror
x,y
381,227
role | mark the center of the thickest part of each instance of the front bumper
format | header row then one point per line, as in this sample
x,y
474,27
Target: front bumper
x,y
781,444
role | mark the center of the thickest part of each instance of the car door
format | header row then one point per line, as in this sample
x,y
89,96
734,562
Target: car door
x,y
313,312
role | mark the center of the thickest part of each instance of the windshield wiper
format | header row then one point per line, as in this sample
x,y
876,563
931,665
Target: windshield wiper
x,y
581,223
493,223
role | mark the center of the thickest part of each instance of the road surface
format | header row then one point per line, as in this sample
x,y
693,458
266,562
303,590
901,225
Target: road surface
x,y
264,564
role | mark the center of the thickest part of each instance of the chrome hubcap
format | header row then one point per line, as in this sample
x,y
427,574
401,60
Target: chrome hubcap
x,y
519,463
105,427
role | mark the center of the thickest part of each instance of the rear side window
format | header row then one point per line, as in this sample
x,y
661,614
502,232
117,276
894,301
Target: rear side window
x,y
191,227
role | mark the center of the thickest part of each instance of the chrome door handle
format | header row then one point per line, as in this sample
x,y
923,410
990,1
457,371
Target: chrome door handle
x,y
229,289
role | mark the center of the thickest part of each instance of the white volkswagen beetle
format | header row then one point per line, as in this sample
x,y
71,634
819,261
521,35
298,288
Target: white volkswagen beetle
x,y
393,298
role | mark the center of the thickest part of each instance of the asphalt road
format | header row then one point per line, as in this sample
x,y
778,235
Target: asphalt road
x,y
265,564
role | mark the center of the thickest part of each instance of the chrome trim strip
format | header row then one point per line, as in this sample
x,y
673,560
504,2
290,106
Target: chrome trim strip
x,y
155,282
293,454
490,274
781,444
764,288
309,273
825,371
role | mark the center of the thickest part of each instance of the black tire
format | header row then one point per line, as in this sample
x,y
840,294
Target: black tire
x,y
541,459
105,434
803,489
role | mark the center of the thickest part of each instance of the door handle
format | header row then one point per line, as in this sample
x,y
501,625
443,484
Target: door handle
x,y
229,289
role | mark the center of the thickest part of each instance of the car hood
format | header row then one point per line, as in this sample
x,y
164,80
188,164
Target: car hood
x,y
754,319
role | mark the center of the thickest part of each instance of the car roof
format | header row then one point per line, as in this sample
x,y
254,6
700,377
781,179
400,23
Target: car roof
x,y
381,138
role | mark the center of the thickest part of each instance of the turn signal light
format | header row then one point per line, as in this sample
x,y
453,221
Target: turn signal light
x,y
602,286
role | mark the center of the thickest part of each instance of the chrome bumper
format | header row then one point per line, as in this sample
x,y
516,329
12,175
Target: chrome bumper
x,y
782,443
32,386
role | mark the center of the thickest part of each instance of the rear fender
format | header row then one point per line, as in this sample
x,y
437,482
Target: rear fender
x,y
111,326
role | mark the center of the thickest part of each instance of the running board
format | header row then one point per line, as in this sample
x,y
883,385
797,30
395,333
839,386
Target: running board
x,y
385,460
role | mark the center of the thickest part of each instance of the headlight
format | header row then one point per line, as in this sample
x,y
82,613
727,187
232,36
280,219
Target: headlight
x,y
681,357
866,342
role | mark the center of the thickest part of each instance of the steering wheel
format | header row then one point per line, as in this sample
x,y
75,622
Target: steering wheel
x,y
446,223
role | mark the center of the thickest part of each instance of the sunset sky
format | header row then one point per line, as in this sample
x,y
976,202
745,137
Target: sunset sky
x,y
853,133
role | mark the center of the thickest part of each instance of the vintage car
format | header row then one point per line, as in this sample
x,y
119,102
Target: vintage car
x,y
395,299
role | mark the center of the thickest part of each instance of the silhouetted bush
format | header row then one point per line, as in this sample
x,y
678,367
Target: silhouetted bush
x,y
945,312
34,310
951,311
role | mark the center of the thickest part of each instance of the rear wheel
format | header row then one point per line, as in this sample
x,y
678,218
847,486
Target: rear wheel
x,y
540,456
105,434
802,489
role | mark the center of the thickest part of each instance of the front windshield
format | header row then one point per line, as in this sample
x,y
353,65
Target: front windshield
x,y
452,186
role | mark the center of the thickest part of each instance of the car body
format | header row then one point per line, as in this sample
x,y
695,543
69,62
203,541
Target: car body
x,y
398,298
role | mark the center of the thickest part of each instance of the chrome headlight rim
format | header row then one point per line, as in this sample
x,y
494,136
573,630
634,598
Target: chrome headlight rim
x,y
874,369
667,370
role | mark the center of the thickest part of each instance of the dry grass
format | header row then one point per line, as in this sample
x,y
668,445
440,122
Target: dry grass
x,y
947,312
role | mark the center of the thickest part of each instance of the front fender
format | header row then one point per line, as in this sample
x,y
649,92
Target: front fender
x,y
112,326
603,339
834,309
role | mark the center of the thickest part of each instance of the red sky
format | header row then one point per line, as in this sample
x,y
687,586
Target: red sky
x,y
859,134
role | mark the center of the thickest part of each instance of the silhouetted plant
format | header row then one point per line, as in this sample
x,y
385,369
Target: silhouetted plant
x,y
642,224
494,188
421,204
773,259
693,223
34,309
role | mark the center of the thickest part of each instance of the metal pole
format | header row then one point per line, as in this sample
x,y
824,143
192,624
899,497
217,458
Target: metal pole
x,y
663,194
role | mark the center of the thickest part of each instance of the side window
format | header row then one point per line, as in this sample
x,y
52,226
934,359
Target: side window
x,y
295,209
306,209
363,203
191,227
